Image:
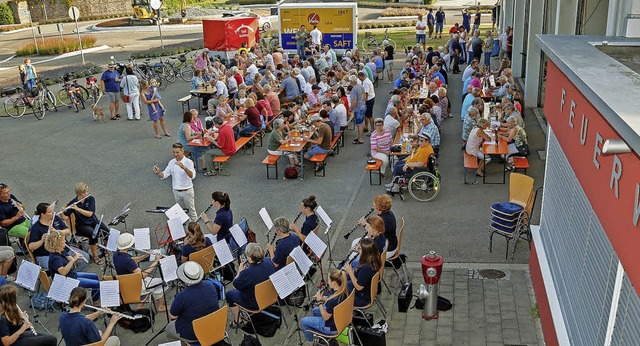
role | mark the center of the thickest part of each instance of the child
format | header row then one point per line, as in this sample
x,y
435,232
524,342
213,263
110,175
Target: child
x,y
23,76
155,95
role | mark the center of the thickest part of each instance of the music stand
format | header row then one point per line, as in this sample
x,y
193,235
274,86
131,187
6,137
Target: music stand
x,y
121,217
35,316
108,260
164,297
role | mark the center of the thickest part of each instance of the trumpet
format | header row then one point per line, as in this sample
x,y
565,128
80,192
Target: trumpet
x,y
346,236
204,212
24,318
75,252
112,312
15,205
72,204
297,217
353,251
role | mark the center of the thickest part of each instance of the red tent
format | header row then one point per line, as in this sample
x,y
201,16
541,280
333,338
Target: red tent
x,y
227,34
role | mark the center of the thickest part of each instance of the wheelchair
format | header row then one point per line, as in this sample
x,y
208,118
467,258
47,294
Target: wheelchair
x,y
423,183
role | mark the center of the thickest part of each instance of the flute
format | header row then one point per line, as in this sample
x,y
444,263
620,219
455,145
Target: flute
x,y
150,252
24,318
206,210
15,205
71,205
76,252
346,236
111,312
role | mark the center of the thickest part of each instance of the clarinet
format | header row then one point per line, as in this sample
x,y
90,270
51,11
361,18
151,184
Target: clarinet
x,y
297,217
206,210
24,318
341,264
15,205
346,236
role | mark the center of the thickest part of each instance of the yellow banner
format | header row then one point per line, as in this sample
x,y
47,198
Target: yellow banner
x,y
328,20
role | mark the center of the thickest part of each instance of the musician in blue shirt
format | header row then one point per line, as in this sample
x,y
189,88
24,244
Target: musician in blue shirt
x,y
78,329
194,242
360,277
307,208
288,241
12,215
83,206
255,270
198,299
322,320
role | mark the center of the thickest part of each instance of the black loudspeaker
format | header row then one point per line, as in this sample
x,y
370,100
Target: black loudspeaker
x,y
370,337
405,296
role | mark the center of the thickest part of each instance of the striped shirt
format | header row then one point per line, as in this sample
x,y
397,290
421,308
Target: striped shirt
x,y
380,141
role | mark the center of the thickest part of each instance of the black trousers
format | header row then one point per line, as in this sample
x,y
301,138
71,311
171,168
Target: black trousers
x,y
85,230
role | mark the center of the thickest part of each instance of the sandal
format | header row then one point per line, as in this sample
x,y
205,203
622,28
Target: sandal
x,y
97,260
167,135
114,118
158,136
355,141
211,174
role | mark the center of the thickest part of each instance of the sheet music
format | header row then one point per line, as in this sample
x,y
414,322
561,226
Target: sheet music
x,y
169,268
154,252
223,252
323,215
61,287
212,237
28,275
281,283
69,285
316,244
238,235
177,212
301,259
112,242
143,241
293,275
173,343
109,293
264,214
176,229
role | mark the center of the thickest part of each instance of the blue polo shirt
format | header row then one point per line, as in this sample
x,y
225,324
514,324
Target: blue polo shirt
x,y
247,280
58,260
123,263
88,204
329,306
192,303
109,78
310,223
284,248
77,330
7,211
188,249
390,229
290,87
364,275
381,242
224,218
38,230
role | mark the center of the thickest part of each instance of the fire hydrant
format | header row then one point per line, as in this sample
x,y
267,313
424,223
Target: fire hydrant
x,y
431,271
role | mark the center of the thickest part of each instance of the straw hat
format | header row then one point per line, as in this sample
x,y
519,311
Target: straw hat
x,y
125,241
190,273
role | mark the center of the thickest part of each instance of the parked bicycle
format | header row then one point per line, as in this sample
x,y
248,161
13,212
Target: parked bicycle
x,y
72,94
17,104
370,42
47,97
181,68
268,43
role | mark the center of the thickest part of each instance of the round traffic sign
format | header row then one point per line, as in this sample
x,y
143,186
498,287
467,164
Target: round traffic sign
x,y
156,4
74,13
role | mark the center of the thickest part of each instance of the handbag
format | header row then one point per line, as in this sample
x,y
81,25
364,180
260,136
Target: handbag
x,y
126,98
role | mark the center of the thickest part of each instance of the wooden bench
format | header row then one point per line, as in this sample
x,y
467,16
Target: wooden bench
x,y
242,142
520,162
374,168
335,143
470,163
271,161
217,164
186,102
319,159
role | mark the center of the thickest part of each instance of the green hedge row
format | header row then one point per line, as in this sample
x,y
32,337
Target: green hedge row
x,y
6,15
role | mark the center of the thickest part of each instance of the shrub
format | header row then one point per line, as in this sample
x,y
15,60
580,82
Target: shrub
x,y
55,45
255,2
401,12
6,16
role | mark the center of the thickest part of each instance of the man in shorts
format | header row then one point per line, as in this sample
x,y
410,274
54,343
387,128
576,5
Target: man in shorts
x,y
370,98
421,34
110,83
388,62
358,106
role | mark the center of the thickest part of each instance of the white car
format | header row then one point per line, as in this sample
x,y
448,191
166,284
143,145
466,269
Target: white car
x,y
264,23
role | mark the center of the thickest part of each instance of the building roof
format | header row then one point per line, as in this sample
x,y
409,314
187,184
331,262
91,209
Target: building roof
x,y
609,85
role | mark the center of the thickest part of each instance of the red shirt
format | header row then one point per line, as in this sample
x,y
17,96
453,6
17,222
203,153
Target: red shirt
x,y
238,78
453,30
253,116
345,101
226,140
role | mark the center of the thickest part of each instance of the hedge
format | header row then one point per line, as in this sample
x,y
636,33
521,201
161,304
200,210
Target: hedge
x,y
256,2
6,15
55,45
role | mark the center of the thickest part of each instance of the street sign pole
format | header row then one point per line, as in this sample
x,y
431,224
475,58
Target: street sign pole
x,y
33,32
156,4
74,13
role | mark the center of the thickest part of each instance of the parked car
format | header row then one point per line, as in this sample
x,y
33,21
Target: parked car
x,y
264,23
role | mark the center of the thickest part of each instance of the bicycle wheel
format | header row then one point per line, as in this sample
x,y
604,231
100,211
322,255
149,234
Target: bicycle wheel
x,y
424,186
162,83
169,73
369,44
14,106
50,101
83,91
81,99
186,73
38,109
389,42
273,43
63,97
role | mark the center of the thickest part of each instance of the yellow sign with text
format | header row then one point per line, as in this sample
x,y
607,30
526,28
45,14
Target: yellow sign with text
x,y
329,20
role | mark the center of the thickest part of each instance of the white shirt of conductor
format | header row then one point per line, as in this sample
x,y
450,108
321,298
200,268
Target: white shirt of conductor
x,y
182,172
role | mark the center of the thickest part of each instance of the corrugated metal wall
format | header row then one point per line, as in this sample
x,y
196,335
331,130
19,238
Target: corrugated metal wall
x,y
627,327
582,261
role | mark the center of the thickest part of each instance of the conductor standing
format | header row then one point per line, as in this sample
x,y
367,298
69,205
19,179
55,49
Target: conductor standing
x,y
182,171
